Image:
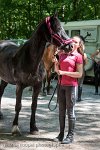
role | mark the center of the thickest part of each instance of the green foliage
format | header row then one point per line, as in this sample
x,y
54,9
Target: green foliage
x,y
19,18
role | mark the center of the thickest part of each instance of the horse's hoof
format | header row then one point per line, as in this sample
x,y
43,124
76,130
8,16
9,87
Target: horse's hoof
x,y
35,132
1,116
16,131
16,134
49,93
44,94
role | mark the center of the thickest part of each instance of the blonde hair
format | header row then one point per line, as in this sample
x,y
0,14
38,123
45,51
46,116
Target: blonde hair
x,y
81,45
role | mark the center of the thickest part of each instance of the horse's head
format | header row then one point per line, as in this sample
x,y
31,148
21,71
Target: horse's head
x,y
58,35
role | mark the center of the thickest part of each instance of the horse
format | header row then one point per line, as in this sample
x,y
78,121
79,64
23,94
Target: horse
x,y
21,66
49,66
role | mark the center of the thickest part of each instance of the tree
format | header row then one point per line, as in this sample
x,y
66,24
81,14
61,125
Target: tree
x,y
19,18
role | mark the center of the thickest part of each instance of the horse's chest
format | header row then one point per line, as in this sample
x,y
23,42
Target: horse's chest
x,y
38,76
34,79
28,79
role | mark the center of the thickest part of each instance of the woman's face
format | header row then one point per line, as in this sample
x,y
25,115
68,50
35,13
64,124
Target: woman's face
x,y
76,44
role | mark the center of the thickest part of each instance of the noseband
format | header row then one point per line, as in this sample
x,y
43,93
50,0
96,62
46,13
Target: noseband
x,y
55,36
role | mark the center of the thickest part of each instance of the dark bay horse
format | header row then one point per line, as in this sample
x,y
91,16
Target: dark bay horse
x,y
22,66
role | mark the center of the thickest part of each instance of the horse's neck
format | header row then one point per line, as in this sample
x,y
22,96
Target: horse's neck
x,y
37,48
30,55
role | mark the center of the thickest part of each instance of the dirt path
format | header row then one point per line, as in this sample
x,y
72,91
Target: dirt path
x,y
87,131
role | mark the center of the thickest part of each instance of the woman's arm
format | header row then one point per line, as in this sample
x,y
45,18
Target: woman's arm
x,y
77,74
56,66
85,59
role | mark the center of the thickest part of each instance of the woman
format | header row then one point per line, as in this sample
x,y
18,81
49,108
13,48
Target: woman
x,y
69,68
85,60
96,58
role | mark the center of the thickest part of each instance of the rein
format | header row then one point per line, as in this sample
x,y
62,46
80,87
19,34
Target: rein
x,y
51,100
53,95
55,36
55,88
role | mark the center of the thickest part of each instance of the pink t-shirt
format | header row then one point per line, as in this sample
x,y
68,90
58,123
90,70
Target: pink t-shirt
x,y
68,63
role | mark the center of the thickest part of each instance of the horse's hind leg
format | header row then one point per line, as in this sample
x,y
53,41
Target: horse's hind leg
x,y
3,84
36,90
19,90
48,81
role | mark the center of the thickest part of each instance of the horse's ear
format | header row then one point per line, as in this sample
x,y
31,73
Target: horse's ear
x,y
56,14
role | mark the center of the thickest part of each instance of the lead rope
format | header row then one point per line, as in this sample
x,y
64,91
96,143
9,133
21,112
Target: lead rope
x,y
51,100
55,90
53,95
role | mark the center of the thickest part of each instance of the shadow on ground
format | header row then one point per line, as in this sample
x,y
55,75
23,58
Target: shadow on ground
x,y
87,130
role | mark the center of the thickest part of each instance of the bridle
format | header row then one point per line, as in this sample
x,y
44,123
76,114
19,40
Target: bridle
x,y
56,36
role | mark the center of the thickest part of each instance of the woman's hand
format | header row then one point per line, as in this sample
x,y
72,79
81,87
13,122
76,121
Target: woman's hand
x,y
54,59
77,74
59,72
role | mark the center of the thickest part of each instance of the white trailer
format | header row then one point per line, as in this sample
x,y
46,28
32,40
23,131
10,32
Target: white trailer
x,y
89,29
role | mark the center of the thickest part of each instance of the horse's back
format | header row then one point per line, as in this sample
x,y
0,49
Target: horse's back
x,y
6,45
7,50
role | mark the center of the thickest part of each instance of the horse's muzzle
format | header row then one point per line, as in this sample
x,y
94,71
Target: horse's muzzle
x,y
67,48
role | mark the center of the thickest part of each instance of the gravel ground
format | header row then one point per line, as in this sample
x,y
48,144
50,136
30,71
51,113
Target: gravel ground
x,y
87,130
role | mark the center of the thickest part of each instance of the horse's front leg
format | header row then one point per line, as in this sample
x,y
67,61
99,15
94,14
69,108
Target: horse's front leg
x,y
36,91
15,129
3,84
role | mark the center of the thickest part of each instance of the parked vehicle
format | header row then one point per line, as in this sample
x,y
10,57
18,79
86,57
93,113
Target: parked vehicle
x,y
19,42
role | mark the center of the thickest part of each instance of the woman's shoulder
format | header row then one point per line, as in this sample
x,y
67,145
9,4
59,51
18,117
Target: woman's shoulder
x,y
85,55
76,53
78,56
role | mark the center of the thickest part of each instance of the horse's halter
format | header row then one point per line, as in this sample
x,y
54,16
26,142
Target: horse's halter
x,y
55,36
